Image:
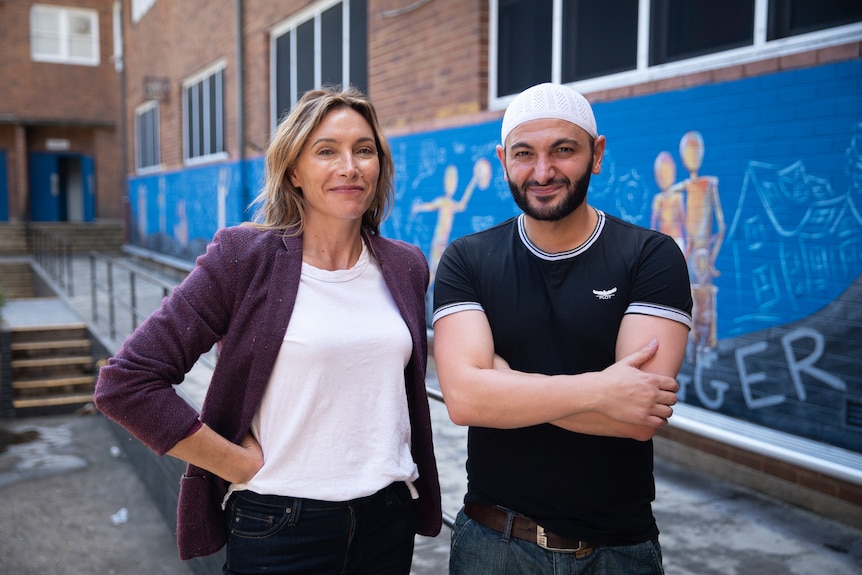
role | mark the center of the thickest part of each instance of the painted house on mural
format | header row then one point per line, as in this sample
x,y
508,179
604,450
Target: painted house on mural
x,y
60,136
735,127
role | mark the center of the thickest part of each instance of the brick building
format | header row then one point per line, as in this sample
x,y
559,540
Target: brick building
x,y
754,104
60,136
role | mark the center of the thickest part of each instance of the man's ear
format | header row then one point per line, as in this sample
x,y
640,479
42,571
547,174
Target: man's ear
x,y
598,154
501,155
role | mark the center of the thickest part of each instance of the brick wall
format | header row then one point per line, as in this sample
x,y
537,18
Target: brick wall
x,y
56,92
427,64
44,100
181,40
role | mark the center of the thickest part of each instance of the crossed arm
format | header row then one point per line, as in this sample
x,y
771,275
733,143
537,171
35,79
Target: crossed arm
x,y
631,398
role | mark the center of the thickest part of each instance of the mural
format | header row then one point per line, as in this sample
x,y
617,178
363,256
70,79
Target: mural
x,y
759,181
177,213
763,195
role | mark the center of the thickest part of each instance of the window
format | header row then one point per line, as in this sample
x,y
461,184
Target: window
x,y
683,29
524,45
613,43
64,35
147,151
592,27
324,45
792,17
203,115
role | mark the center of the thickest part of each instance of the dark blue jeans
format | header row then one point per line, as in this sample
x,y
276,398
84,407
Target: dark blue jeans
x,y
272,534
478,550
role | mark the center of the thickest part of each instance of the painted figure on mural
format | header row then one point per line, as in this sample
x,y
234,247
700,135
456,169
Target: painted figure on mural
x,y
181,225
447,206
668,206
705,228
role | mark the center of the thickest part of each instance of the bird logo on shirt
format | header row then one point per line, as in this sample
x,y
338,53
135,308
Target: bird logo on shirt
x,y
605,293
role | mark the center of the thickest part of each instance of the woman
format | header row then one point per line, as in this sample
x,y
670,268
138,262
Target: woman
x,y
312,452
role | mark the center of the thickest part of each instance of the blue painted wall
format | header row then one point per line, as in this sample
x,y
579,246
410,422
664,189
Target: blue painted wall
x,y
177,213
778,339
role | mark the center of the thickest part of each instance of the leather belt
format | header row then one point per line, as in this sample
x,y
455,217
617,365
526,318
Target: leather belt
x,y
525,528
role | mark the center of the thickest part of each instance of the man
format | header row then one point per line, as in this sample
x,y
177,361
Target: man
x,y
558,335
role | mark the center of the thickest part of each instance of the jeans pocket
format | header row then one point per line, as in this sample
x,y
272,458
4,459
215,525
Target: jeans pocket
x,y
398,495
255,520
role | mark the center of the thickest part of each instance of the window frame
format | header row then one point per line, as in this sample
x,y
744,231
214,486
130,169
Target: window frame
x,y
194,84
151,106
64,36
314,14
759,49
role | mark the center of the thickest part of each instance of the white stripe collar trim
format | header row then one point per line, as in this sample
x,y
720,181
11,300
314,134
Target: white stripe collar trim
x,y
597,231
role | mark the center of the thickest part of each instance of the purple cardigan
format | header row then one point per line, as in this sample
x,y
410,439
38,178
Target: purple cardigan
x,y
241,294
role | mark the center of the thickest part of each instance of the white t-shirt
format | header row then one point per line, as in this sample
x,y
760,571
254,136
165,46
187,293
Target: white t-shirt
x,y
333,423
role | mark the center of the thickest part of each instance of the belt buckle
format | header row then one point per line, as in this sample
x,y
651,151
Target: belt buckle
x,y
542,541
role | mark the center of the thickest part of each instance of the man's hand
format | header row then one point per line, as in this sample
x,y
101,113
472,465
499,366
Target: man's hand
x,y
634,396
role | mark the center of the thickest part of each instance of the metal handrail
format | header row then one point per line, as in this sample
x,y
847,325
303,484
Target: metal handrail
x,y
138,280
54,255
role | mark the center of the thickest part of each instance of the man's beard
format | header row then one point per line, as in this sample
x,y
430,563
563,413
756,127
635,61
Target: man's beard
x,y
574,197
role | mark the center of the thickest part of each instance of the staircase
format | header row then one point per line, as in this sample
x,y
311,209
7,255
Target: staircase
x,y
16,278
17,238
52,369
46,355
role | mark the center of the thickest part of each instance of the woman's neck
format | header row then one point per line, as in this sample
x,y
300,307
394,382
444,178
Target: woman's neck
x,y
331,250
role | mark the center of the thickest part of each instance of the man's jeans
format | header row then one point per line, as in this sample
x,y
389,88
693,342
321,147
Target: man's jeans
x,y
478,550
271,534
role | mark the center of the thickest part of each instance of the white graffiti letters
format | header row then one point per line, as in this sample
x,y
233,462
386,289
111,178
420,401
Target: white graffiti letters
x,y
807,364
712,394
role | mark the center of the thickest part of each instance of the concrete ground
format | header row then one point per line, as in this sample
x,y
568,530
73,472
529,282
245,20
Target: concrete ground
x,y
72,505
64,483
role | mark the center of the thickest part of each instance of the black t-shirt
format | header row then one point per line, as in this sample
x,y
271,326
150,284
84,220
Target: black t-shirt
x,y
560,314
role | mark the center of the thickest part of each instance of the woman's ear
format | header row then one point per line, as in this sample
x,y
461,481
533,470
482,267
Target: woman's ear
x,y
290,175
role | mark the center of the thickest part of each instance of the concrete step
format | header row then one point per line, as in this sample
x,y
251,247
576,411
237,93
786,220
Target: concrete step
x,y
24,349
54,382
69,402
51,362
16,279
16,238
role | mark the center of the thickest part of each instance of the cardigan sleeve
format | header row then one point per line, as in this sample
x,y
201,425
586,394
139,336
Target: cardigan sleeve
x,y
136,387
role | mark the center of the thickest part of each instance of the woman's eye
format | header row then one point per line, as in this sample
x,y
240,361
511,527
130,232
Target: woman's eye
x,y
367,152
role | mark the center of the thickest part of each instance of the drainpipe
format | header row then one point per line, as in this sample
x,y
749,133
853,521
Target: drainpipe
x,y
240,105
120,67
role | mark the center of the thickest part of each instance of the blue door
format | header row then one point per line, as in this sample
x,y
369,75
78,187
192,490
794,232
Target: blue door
x,y
44,187
4,190
61,188
89,188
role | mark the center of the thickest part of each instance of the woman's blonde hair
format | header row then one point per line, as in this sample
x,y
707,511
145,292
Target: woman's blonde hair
x,y
279,205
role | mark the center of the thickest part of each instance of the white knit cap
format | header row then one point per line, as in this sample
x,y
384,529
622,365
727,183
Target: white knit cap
x,y
549,101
